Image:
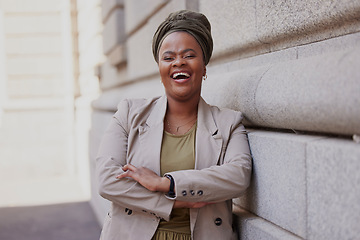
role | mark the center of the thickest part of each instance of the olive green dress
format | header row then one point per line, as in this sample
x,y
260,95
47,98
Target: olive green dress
x,y
177,153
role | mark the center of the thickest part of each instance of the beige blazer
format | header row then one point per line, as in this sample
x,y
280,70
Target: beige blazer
x,y
222,171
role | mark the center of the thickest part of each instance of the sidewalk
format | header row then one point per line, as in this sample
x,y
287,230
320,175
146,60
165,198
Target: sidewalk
x,y
68,221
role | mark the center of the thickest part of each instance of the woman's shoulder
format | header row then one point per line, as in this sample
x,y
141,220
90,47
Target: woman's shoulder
x,y
225,115
135,104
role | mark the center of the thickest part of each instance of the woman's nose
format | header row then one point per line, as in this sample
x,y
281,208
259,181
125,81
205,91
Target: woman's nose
x,y
179,61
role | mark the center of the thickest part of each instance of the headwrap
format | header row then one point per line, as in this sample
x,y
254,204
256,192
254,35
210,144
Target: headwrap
x,y
193,23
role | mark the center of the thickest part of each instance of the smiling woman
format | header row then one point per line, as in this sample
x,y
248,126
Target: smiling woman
x,y
171,165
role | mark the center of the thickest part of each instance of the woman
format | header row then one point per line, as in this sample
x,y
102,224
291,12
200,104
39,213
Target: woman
x,y
171,165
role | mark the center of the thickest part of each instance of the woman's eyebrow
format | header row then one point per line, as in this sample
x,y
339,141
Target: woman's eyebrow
x,y
188,50
168,52
183,51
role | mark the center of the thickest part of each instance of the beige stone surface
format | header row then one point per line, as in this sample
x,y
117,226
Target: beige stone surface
x,y
43,86
278,187
47,23
333,189
139,44
233,24
37,147
117,56
114,30
89,28
251,227
282,19
111,76
91,55
24,135
44,6
285,91
107,6
248,28
34,65
33,44
138,12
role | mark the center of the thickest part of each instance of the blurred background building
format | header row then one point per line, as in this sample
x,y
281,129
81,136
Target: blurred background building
x,y
292,68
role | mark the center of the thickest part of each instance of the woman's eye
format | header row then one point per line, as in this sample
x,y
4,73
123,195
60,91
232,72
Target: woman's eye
x,y
167,58
189,56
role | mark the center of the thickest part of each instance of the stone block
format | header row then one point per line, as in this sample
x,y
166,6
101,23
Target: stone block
x,y
138,12
139,54
91,55
50,24
279,19
89,25
252,227
310,87
278,188
21,6
111,76
87,4
280,93
117,56
107,6
34,144
109,100
336,44
233,25
114,30
248,28
39,86
34,65
333,189
34,45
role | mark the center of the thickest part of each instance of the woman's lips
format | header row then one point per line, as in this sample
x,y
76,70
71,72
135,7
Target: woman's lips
x,y
181,76
181,80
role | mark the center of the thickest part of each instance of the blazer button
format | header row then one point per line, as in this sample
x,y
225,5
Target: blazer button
x,y
184,193
192,192
128,211
200,192
218,221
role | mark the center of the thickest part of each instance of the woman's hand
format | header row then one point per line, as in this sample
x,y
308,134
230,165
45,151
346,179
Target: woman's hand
x,y
146,177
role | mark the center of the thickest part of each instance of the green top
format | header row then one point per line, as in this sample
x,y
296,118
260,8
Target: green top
x,y
177,153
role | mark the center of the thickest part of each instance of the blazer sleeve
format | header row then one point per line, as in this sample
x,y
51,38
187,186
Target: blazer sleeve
x,y
111,157
226,180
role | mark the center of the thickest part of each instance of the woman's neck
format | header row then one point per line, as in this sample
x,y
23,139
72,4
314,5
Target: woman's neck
x,y
182,109
180,116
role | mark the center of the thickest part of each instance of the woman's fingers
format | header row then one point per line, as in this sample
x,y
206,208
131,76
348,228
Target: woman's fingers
x,y
146,177
129,167
128,171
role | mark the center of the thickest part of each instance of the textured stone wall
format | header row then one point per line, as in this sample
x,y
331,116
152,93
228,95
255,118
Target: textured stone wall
x,y
292,68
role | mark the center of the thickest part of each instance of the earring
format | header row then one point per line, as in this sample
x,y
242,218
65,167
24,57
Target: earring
x,y
205,77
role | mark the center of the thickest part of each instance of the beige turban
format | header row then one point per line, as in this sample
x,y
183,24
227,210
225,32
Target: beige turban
x,y
193,23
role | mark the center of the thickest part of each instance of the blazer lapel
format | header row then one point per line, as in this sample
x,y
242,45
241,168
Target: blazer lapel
x,y
208,138
151,135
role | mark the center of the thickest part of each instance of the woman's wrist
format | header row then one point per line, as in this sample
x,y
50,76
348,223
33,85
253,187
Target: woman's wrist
x,y
164,185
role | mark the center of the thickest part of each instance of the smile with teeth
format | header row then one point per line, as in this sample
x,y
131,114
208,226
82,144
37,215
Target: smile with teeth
x,y
180,75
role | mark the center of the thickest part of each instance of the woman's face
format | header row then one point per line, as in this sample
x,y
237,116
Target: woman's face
x,y
181,66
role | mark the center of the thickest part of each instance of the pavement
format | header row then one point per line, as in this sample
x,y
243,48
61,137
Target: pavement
x,y
66,221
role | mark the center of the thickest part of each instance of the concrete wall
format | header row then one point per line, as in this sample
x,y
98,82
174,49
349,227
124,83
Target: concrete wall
x,y
292,68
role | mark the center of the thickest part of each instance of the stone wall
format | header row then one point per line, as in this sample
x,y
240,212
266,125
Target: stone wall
x,y
292,68
37,160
